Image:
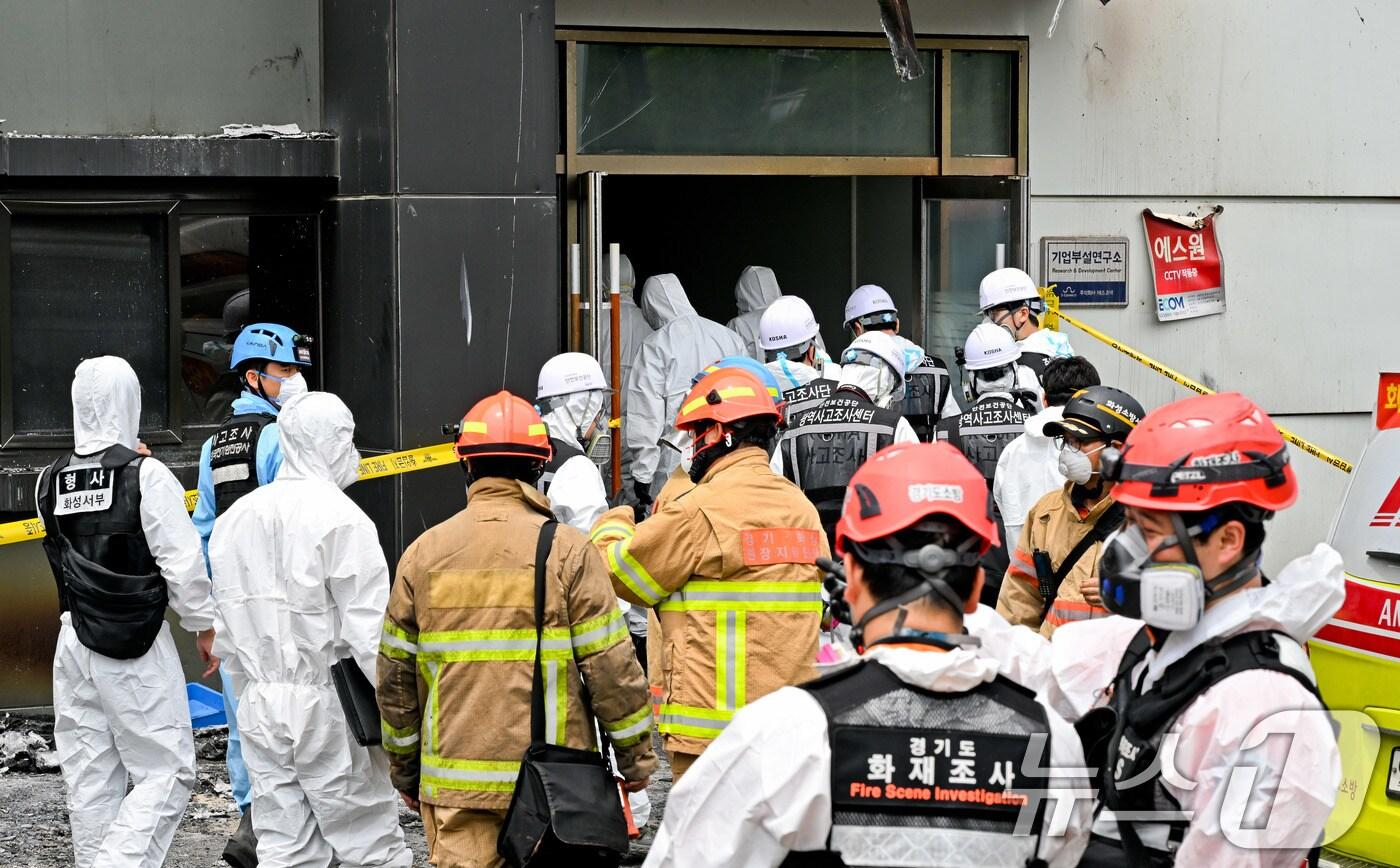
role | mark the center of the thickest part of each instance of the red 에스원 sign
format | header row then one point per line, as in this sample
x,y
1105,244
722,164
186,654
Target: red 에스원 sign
x,y
1188,276
1388,402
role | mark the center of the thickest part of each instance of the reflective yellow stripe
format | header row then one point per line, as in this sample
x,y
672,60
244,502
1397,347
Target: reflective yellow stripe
x,y
599,634
396,642
630,729
711,596
633,574
400,740
471,776
537,429
693,721
473,427
461,646
727,392
429,671
623,530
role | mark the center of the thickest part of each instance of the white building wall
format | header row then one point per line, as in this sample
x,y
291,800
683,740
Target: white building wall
x,y
1283,111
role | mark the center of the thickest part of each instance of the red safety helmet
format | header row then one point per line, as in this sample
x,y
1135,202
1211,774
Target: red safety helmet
x,y
503,425
1199,453
903,484
726,395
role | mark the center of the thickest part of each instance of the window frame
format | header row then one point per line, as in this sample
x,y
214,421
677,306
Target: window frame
x,y
179,430
168,210
201,431
570,163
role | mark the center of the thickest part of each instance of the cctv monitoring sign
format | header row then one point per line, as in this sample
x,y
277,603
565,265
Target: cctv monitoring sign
x,y
1086,270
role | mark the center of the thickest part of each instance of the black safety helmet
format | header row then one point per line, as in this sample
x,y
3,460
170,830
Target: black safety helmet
x,y
1098,413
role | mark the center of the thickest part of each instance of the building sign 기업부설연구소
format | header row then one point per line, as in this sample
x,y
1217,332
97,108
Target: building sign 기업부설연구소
x,y
1188,275
1086,270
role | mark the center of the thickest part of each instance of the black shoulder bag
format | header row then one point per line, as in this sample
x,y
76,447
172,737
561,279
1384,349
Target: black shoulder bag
x,y
1051,579
565,810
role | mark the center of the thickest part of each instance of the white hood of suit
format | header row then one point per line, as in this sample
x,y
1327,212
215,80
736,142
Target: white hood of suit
x,y
757,288
627,278
318,439
664,300
106,405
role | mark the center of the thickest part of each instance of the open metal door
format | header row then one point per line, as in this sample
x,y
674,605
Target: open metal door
x,y
598,314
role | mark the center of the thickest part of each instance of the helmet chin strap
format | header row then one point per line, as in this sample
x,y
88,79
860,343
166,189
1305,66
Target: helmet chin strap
x,y
927,559
1233,577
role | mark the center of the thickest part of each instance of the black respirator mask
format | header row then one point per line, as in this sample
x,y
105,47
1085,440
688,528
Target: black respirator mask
x,y
1167,595
932,562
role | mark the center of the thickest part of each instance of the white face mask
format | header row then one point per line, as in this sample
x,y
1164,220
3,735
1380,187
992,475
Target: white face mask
x,y
684,443
291,387
1076,466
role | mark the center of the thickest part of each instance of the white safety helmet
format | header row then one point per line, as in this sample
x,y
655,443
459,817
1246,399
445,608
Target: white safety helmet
x,y
788,322
878,345
1006,286
868,301
567,373
989,346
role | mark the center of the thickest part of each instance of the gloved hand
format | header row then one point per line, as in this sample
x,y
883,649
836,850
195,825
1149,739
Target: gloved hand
x,y
642,492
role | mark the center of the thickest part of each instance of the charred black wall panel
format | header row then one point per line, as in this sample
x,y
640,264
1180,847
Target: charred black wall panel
x,y
447,114
506,247
477,96
358,51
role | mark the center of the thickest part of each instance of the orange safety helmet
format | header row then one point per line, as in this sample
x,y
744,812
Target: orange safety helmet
x,y
503,425
1199,453
905,483
726,395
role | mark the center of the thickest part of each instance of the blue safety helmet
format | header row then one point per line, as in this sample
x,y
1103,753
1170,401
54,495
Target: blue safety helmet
x,y
269,342
758,369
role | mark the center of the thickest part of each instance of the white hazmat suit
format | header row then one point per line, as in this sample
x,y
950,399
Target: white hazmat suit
x,y
119,718
633,329
684,342
1027,470
1286,805
302,583
764,787
757,288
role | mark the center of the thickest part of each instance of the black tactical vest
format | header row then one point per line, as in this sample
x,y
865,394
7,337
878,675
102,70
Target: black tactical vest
x,y
233,458
917,774
984,430
107,579
802,399
926,391
823,450
1036,362
1125,738
562,452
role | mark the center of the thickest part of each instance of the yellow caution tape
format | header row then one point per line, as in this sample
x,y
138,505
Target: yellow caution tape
x,y
374,467
1053,315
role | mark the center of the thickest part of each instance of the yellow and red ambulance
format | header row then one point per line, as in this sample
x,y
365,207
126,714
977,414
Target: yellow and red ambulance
x,y
1356,656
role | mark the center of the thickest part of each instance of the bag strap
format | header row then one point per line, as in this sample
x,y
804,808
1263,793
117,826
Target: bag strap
x,y
1107,523
542,549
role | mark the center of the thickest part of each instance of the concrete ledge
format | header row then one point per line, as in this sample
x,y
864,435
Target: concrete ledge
x,y
316,156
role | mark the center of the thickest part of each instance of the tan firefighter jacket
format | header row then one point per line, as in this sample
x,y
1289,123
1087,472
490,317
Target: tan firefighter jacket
x,y
458,649
729,567
1055,525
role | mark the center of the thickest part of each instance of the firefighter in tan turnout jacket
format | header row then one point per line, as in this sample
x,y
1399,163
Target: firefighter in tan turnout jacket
x,y
728,565
457,654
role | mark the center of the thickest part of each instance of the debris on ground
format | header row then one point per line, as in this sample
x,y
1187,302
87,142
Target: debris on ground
x,y
26,745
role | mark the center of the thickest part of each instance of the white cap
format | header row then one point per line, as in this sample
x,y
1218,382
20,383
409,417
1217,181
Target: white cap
x,y
787,322
989,346
868,299
880,345
567,373
1004,286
